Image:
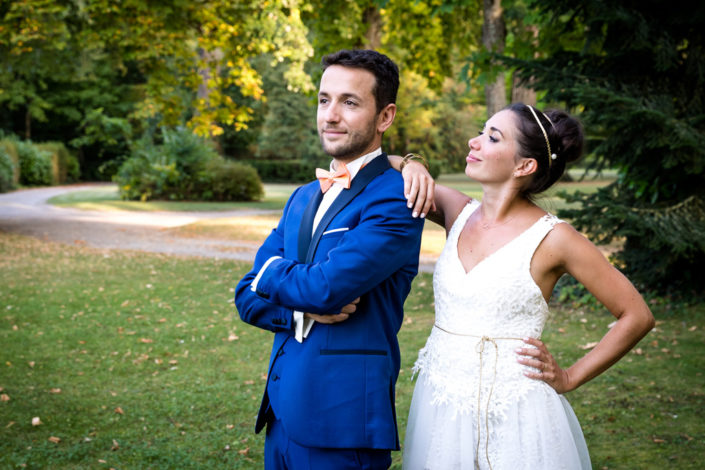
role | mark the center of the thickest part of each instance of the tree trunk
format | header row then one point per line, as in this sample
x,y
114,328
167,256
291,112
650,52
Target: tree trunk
x,y
493,34
521,93
27,125
373,36
203,89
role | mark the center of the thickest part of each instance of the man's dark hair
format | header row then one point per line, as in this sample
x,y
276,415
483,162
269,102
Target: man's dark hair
x,y
385,71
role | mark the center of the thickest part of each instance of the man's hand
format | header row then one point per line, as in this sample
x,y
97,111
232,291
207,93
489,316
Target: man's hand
x,y
344,314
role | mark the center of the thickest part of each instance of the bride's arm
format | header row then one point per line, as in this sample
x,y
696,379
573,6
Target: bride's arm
x,y
438,203
576,255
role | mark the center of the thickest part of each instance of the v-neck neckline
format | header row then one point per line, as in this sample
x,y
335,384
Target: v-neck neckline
x,y
501,248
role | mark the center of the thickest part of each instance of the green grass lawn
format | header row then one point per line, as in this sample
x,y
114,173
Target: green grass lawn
x,y
134,360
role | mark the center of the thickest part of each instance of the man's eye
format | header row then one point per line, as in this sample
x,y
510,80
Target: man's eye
x,y
492,139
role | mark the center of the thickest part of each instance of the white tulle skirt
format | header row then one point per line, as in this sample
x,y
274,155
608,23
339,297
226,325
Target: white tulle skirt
x,y
539,431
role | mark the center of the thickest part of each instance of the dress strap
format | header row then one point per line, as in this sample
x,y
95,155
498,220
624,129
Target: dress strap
x,y
536,234
461,219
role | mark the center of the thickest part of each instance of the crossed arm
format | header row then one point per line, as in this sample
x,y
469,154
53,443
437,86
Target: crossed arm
x,y
382,242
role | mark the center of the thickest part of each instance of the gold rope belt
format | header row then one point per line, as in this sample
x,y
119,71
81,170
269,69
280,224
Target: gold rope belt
x,y
480,348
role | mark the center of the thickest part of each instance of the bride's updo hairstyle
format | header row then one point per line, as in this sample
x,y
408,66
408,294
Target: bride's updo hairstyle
x,y
553,138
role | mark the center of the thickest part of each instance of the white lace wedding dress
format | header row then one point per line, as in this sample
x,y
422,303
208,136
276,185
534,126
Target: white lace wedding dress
x,y
472,406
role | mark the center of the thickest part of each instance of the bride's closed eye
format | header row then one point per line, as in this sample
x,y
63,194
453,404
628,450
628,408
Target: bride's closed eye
x,y
492,139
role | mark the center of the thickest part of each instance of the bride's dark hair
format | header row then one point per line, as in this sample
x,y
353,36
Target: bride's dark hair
x,y
565,138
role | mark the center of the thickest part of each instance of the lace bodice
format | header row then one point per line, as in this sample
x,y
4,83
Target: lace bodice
x,y
498,300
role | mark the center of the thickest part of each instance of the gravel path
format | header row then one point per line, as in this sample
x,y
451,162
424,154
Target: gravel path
x,y
27,212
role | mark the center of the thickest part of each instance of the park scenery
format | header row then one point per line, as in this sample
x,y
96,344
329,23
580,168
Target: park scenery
x,y
147,149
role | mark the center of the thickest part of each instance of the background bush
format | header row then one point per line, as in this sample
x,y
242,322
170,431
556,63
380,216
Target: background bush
x,y
287,171
178,165
7,170
35,164
227,180
65,167
9,146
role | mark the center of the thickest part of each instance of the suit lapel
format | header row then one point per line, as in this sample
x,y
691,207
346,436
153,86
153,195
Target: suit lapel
x,y
307,225
369,172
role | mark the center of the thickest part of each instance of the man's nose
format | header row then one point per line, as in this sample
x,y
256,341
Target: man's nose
x,y
332,113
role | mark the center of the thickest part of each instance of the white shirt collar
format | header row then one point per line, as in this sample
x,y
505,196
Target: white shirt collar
x,y
355,165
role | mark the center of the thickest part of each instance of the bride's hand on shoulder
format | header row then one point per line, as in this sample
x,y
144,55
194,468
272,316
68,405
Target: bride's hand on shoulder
x,y
419,187
547,369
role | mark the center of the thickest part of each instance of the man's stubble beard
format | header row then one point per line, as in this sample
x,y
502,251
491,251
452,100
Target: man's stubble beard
x,y
352,149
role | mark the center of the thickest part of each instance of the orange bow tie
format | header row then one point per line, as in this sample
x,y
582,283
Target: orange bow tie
x,y
327,178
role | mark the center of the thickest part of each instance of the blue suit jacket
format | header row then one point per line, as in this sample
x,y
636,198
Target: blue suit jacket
x,y
336,389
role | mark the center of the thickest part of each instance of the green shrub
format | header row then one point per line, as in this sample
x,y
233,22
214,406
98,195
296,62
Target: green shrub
x,y
231,181
9,145
65,168
35,164
287,171
147,174
184,167
7,170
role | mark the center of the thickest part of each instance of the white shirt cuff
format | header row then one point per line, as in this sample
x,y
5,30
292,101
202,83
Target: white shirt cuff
x,y
253,286
302,326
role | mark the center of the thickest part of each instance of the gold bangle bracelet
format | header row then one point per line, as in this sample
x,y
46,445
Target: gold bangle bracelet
x,y
410,157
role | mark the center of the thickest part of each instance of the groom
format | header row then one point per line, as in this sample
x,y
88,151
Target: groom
x,y
347,247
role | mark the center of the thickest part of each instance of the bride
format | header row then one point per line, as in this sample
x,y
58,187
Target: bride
x,y
489,394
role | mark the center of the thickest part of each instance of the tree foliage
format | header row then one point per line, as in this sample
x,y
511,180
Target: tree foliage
x,y
637,77
180,58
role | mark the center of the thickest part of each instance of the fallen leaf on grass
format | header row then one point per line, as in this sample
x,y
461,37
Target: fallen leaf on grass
x,y
658,441
119,411
146,340
115,446
233,337
55,390
4,397
243,451
36,421
588,345
55,439
693,328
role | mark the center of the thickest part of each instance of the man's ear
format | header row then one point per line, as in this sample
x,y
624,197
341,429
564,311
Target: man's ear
x,y
385,118
525,167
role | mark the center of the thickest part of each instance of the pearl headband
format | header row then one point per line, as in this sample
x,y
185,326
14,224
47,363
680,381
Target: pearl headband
x,y
551,156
